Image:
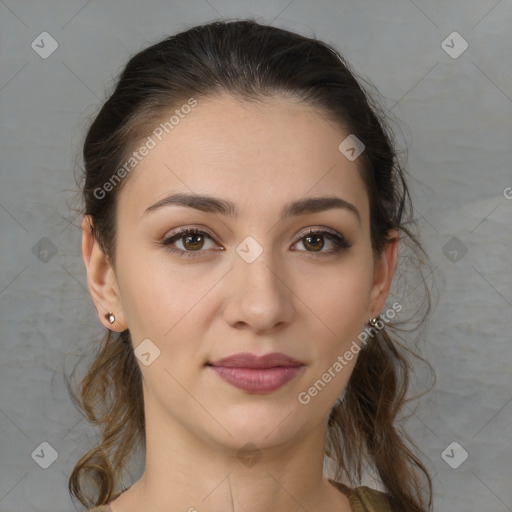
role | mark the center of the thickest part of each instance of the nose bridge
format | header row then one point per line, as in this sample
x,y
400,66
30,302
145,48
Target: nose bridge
x,y
255,266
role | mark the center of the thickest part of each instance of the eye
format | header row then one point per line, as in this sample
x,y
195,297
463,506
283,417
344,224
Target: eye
x,y
313,239
193,240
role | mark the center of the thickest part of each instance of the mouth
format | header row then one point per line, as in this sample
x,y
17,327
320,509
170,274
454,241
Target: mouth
x,y
257,374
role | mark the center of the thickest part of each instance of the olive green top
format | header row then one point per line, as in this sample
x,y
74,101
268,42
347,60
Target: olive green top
x,y
362,499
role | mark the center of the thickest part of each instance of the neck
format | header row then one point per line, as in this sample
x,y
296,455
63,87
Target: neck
x,y
184,472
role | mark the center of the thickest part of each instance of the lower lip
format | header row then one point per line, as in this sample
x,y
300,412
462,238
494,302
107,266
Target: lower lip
x,y
255,380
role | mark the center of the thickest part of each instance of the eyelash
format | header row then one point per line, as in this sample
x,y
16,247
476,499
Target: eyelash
x,y
338,240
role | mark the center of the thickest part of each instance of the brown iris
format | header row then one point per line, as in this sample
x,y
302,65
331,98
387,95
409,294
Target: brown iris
x,y
194,244
314,237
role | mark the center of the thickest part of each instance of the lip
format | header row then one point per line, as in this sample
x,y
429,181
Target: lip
x,y
248,360
255,380
257,374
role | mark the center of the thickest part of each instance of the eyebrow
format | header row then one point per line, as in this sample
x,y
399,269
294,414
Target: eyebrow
x,y
211,204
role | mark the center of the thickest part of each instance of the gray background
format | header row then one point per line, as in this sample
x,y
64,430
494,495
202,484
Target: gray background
x,y
456,120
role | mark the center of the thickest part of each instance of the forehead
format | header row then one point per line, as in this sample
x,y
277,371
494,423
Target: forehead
x,y
265,152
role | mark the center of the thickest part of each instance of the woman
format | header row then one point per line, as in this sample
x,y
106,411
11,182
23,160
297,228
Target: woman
x,y
243,210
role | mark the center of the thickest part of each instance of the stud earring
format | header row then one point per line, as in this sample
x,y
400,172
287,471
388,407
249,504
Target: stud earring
x,y
110,317
373,321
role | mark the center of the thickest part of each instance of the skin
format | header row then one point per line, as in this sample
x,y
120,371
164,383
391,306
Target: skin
x,y
291,299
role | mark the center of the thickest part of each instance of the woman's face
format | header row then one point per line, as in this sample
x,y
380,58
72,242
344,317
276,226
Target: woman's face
x,y
251,280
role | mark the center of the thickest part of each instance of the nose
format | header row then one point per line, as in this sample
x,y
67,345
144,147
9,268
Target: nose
x,y
259,295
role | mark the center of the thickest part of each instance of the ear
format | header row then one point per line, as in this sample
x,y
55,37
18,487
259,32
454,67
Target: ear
x,y
383,272
101,279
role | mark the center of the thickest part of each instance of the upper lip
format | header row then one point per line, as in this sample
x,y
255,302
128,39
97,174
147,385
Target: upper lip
x,y
248,360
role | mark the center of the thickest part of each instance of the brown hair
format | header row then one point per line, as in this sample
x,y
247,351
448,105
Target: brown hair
x,y
253,61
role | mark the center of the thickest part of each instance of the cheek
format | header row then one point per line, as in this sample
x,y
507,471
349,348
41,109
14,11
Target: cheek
x,y
339,305
340,296
166,304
